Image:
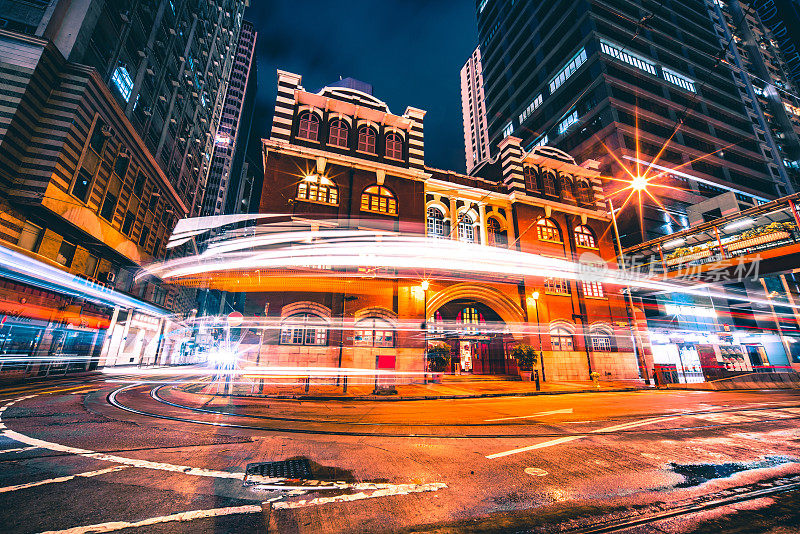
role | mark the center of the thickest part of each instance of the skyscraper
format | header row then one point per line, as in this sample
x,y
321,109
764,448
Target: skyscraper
x,y
473,111
782,17
627,83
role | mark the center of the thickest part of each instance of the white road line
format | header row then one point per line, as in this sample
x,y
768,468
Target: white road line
x,y
21,449
541,414
393,489
542,445
625,426
67,478
182,516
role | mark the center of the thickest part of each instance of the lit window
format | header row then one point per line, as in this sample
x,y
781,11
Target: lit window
x,y
366,140
469,318
542,141
338,133
678,79
530,109
466,229
318,189
584,237
309,127
378,199
304,329
635,60
593,290
394,146
508,129
373,332
571,119
548,231
556,286
494,233
122,79
601,343
435,223
561,339
571,66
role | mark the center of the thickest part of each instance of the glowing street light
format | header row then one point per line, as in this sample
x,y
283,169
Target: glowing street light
x,y
533,300
639,183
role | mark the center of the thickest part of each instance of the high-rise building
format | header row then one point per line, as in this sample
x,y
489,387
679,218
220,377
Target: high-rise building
x,y
231,140
110,114
782,17
627,83
473,111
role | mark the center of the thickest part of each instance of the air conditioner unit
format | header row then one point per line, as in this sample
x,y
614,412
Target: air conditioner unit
x,y
110,276
107,131
123,153
125,18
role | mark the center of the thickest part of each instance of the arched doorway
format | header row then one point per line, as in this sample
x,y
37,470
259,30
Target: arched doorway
x,y
478,337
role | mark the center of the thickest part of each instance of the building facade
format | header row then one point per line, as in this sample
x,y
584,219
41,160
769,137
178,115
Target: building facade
x,y
340,159
473,112
629,84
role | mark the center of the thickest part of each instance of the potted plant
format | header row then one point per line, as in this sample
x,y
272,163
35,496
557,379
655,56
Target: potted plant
x,y
526,358
437,359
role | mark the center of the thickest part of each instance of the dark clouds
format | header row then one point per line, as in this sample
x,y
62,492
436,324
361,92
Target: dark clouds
x,y
410,51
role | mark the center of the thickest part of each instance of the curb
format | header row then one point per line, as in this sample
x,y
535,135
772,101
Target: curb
x,y
385,398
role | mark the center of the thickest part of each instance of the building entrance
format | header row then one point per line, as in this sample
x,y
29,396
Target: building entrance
x,y
478,339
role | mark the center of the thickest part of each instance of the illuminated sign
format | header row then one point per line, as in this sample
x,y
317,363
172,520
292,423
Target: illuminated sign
x,y
695,311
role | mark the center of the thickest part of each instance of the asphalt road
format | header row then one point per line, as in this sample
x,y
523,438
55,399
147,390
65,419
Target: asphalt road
x,y
119,453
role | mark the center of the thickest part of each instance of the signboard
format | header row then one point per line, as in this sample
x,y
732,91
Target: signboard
x,y
235,319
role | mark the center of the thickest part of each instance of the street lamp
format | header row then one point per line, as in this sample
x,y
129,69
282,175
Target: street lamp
x,y
534,300
424,287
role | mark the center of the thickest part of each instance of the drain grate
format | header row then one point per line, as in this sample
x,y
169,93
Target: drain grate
x,y
295,469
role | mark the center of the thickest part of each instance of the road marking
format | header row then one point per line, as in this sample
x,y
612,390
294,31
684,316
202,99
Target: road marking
x,y
557,441
56,480
535,472
541,414
182,516
393,489
21,449
625,426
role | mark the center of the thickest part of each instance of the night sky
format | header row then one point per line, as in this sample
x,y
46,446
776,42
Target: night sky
x,y
411,51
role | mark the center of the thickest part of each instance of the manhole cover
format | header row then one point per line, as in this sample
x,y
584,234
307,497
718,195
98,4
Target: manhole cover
x,y
535,471
293,469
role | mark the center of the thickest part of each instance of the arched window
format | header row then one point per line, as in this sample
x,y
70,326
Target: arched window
x,y
435,223
548,230
466,229
378,199
566,187
494,233
366,139
318,189
601,335
593,290
584,237
530,179
373,332
469,318
394,146
337,135
549,184
304,329
584,192
309,126
561,338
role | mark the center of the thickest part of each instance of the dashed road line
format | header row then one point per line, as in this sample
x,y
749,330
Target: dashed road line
x,y
557,441
541,414
67,478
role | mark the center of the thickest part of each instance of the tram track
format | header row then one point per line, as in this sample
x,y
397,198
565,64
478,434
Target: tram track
x,y
114,401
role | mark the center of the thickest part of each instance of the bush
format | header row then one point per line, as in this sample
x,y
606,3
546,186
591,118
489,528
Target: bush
x,y
438,357
526,357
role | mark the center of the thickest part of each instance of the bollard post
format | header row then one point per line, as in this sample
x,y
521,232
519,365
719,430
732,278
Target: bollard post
x,y
345,384
536,376
308,383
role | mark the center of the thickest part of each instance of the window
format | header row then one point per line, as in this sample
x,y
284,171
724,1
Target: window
x,y
309,126
143,237
82,185
601,343
542,141
561,339
378,199
678,79
121,165
530,179
127,224
584,192
435,223
110,201
373,332
549,184
571,66
304,329
394,146
556,286
548,231
318,189
98,139
584,237
618,52
366,140
337,134
138,185
91,266
469,318
593,290
494,233
508,129
31,237
530,109
66,252
570,119
466,229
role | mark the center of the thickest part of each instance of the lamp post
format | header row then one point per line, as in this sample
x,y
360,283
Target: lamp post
x,y
534,298
424,287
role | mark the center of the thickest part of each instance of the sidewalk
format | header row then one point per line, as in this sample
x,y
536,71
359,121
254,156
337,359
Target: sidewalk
x,y
451,387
